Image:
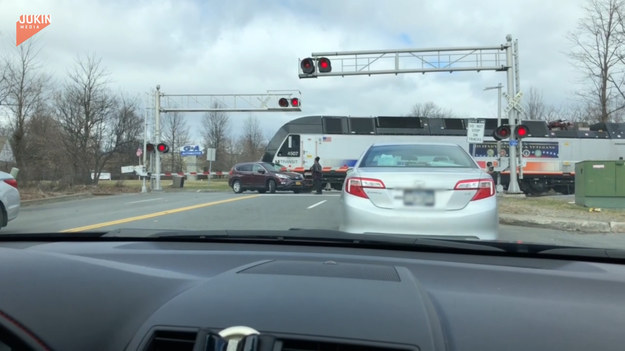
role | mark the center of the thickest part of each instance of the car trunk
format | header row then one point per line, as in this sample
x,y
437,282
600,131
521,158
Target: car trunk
x,y
423,188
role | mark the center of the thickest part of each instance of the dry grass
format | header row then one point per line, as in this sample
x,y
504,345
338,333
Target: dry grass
x,y
556,207
52,189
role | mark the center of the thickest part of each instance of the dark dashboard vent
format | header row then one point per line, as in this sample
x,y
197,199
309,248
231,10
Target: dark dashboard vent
x,y
169,340
299,345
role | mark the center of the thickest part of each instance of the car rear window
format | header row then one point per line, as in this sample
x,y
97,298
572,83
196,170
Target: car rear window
x,y
429,156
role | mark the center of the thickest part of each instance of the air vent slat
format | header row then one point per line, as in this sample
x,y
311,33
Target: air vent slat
x,y
168,340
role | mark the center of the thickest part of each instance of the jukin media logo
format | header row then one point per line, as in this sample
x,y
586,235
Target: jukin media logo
x,y
29,25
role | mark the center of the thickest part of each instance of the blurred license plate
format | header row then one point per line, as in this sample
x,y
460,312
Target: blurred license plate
x,y
419,197
298,183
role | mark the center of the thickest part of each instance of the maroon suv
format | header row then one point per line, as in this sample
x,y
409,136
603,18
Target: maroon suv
x,y
264,177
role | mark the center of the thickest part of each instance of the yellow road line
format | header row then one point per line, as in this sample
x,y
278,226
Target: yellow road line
x,y
155,214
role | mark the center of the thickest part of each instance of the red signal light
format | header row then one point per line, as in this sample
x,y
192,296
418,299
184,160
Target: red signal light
x,y
295,102
283,102
308,66
521,131
502,132
324,65
164,148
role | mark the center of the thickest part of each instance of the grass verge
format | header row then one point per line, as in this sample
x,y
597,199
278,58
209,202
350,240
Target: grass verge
x,y
557,207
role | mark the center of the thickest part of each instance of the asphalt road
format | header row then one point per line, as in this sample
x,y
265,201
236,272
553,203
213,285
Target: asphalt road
x,y
225,210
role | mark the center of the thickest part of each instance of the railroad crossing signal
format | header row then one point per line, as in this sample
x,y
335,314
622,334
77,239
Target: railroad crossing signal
x,y
504,132
293,102
310,65
514,103
521,131
501,58
271,101
162,148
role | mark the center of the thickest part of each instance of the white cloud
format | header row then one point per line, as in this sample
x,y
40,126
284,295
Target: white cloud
x,y
252,46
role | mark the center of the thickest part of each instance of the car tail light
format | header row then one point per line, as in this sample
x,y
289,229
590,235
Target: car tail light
x,y
356,186
11,182
485,187
231,172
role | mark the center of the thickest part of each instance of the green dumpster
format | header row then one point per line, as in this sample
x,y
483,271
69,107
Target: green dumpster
x,y
600,184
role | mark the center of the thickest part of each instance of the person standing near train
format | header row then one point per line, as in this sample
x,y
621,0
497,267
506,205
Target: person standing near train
x,y
316,170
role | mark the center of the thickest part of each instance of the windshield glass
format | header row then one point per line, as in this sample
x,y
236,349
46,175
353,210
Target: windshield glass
x,y
442,119
444,156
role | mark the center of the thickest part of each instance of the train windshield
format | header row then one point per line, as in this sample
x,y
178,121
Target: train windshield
x,y
290,147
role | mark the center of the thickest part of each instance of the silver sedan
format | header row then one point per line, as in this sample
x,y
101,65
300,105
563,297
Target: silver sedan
x,y
420,189
9,198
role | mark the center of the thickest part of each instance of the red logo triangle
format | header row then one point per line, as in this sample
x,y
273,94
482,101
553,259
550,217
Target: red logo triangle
x,y
29,25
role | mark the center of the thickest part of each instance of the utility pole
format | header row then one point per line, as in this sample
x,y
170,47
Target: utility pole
x,y
513,99
157,137
145,143
499,94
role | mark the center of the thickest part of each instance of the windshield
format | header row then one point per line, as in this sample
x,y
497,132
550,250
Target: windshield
x,y
444,156
441,119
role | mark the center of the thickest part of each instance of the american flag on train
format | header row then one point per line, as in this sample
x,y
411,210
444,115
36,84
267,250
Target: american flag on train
x,y
327,138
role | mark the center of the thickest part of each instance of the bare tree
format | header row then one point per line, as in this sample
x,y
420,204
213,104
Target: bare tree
x,y
429,109
23,95
252,141
599,51
45,148
175,134
215,128
4,86
96,124
535,108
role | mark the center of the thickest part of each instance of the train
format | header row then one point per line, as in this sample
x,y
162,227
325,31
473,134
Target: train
x,y
548,153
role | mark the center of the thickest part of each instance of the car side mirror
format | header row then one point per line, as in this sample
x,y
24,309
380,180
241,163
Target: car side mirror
x,y
261,171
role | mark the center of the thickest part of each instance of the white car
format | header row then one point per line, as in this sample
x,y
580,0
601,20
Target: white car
x,y
9,198
420,189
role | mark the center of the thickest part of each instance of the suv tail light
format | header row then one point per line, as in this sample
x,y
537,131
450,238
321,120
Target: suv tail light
x,y
231,171
356,186
11,182
485,187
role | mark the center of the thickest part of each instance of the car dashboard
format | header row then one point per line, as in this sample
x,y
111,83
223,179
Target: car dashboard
x,y
179,295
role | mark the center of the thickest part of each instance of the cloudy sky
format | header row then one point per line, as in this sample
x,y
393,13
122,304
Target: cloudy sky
x,y
251,46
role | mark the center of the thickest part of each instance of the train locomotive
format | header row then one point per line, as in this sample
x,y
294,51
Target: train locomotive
x,y
547,155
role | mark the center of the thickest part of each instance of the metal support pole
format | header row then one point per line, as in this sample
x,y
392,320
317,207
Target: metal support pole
x,y
513,185
157,138
498,148
499,92
208,179
517,84
144,188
